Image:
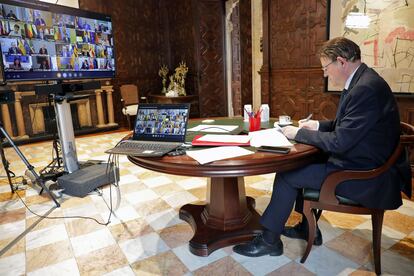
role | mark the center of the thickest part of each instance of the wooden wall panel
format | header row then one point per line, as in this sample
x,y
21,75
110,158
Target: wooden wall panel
x,y
288,34
210,41
287,95
236,95
245,53
181,27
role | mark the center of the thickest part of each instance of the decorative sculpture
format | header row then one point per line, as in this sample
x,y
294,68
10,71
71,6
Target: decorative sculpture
x,y
163,72
176,86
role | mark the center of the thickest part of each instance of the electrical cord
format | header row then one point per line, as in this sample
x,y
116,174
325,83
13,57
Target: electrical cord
x,y
100,193
61,217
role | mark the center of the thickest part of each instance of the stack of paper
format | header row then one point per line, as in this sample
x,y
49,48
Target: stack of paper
x,y
269,137
218,153
225,138
221,140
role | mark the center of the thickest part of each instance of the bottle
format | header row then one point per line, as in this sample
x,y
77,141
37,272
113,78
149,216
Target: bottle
x,y
247,108
265,112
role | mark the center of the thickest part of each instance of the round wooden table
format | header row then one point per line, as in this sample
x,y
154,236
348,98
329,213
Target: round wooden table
x,y
227,217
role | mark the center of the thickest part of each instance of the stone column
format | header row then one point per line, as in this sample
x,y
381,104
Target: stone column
x,y
21,130
88,113
6,119
99,107
257,55
83,114
110,105
37,117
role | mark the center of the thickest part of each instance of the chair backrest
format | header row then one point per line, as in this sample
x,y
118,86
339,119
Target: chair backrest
x,y
407,134
129,94
327,190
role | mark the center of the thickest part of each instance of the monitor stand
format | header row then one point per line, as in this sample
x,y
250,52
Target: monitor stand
x,y
66,133
62,96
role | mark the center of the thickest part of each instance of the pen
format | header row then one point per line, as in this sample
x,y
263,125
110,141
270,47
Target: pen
x,y
248,113
307,118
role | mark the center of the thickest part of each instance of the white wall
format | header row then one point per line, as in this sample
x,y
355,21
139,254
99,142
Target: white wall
x,y
69,3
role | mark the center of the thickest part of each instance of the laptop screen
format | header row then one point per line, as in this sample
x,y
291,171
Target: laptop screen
x,y
161,122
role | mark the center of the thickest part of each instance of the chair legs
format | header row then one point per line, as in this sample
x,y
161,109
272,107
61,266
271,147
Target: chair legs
x,y
377,218
129,121
310,217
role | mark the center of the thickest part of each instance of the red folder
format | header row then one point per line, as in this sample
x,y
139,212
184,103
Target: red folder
x,y
196,142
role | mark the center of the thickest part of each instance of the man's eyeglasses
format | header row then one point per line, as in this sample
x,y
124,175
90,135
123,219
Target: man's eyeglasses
x,y
326,66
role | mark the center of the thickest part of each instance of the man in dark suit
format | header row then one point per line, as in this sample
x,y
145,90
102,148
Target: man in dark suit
x,y
363,136
14,50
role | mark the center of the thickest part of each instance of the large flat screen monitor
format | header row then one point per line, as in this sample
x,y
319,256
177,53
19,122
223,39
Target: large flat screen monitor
x,y
41,41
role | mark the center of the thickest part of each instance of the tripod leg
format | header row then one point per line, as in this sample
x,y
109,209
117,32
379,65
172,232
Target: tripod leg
x,y
55,168
6,165
28,165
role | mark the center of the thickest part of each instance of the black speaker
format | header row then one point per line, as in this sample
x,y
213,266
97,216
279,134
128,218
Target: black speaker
x,y
85,180
6,96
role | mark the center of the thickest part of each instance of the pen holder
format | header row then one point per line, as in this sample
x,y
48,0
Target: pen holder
x,y
254,123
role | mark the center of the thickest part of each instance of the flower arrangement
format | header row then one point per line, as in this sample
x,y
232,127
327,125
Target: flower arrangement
x,y
176,87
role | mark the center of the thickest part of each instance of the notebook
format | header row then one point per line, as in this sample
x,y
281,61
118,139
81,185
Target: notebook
x,y
158,129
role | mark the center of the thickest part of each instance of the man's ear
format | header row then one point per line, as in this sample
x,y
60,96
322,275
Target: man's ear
x,y
341,60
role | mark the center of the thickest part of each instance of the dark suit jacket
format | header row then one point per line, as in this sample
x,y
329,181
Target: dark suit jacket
x,y
363,136
14,50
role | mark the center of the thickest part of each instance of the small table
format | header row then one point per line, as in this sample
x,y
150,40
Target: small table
x,y
227,217
162,99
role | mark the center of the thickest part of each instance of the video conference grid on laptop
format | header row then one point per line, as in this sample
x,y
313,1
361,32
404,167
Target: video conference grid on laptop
x,y
161,122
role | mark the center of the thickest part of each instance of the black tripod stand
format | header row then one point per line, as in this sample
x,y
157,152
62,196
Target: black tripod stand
x,y
6,165
28,165
54,169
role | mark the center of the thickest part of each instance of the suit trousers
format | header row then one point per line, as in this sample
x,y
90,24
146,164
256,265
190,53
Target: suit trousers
x,y
287,188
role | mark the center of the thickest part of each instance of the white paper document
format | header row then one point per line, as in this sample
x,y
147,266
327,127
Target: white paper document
x,y
213,128
224,138
218,153
269,137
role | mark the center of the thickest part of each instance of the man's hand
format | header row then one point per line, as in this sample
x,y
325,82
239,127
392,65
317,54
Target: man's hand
x,y
309,124
290,131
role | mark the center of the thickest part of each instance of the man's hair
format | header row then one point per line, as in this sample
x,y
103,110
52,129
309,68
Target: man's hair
x,y
15,25
340,47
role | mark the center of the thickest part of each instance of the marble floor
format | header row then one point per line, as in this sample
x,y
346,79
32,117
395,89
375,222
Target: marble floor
x,y
146,237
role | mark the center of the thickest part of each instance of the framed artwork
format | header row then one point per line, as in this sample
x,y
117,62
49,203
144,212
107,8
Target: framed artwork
x,y
386,42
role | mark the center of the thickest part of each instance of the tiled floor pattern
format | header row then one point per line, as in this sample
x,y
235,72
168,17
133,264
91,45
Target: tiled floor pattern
x,y
146,237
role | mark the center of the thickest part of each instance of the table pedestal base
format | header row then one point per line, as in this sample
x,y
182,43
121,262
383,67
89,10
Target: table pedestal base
x,y
206,239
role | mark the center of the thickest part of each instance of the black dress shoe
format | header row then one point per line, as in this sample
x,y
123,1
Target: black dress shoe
x,y
259,247
300,231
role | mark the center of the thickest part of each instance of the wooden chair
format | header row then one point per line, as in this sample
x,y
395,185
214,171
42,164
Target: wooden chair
x,y
130,100
315,201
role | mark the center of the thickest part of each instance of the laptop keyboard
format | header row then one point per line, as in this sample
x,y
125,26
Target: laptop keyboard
x,y
137,147
146,146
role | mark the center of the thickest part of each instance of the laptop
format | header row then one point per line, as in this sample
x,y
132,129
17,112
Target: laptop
x,y
158,129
